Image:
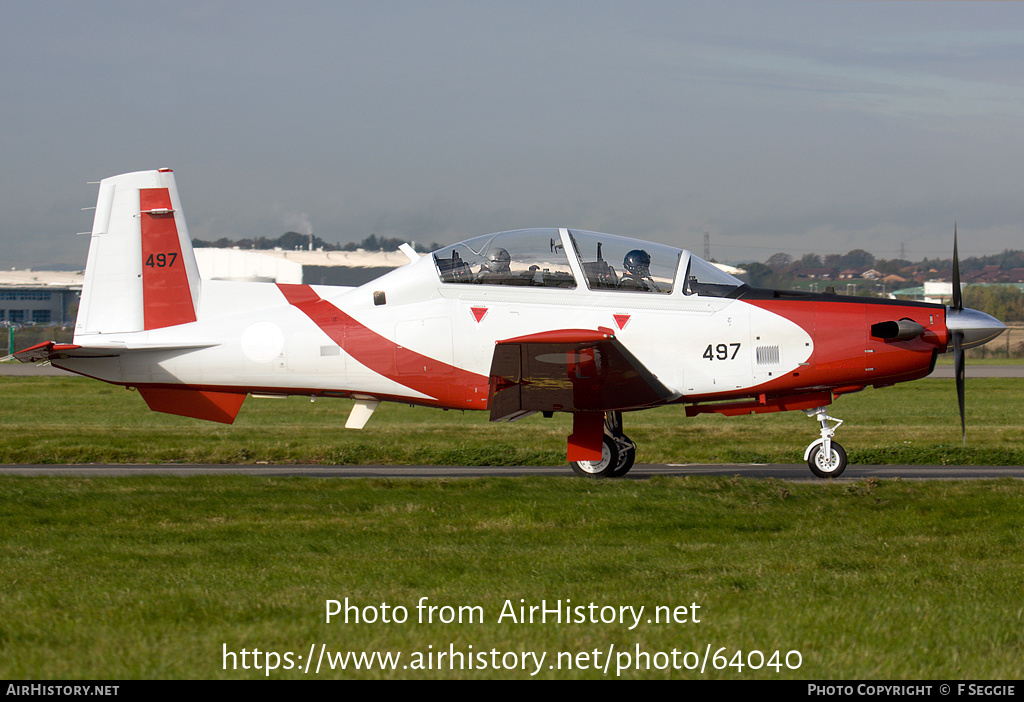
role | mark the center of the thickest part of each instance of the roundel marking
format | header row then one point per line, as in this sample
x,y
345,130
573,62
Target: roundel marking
x,y
262,342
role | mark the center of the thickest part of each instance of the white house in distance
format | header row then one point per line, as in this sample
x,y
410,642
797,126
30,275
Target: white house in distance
x,y
937,291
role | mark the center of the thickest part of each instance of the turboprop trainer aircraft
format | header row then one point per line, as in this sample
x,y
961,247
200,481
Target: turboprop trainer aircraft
x,y
534,320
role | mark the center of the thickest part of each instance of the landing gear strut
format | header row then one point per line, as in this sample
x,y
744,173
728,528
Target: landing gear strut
x,y
825,457
617,454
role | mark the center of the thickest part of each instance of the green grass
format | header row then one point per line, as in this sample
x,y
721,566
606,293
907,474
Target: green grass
x,y
151,577
76,420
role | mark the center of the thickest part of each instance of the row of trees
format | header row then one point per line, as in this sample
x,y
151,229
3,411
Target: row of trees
x,y
1005,302
859,259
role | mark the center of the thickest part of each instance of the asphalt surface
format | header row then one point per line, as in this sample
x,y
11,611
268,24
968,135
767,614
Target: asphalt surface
x,y
788,472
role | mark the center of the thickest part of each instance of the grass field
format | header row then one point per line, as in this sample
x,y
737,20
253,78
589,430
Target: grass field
x,y
160,577
156,577
75,420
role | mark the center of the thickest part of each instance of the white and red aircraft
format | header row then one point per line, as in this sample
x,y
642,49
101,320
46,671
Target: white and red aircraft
x,y
534,320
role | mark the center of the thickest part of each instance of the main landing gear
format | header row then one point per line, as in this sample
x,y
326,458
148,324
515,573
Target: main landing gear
x,y
617,454
825,457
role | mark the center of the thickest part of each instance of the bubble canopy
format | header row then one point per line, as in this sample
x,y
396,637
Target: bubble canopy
x,y
607,262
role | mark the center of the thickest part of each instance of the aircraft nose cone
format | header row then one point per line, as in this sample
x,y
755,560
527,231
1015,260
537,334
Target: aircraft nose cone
x,y
977,327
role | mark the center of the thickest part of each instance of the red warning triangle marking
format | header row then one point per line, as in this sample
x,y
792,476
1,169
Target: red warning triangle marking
x,y
621,319
478,312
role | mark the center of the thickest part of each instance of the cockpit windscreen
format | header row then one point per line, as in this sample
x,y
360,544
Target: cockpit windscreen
x,y
531,257
616,263
707,280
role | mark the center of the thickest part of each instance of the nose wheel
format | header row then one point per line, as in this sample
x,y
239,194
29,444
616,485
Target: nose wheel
x,y
825,457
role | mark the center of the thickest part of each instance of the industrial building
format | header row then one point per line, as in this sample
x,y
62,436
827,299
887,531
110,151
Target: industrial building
x,y
39,297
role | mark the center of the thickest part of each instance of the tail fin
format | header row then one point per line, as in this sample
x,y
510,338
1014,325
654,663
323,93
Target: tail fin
x,y
141,272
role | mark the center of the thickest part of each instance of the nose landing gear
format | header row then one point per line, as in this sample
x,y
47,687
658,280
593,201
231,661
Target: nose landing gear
x,y
825,457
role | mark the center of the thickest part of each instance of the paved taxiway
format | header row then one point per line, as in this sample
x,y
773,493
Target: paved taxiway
x,y
791,472
796,472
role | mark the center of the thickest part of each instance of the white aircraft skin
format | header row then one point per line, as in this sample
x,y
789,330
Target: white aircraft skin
x,y
428,334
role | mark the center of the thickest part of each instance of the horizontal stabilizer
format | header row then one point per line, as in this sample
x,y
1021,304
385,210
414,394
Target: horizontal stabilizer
x,y
52,351
214,406
569,370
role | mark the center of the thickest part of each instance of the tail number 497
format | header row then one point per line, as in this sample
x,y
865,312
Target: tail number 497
x,y
162,260
721,352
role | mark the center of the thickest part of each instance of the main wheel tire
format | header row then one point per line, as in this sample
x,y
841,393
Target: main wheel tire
x,y
827,467
605,468
626,457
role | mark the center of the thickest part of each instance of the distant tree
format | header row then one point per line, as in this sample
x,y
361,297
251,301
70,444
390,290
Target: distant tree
x,y
375,243
858,259
290,241
779,262
810,261
1004,302
758,274
887,266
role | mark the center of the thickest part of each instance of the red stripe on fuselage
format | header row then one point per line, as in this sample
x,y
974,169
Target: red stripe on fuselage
x,y
448,385
167,299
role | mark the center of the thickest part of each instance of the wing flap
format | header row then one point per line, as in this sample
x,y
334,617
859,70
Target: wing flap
x,y
570,370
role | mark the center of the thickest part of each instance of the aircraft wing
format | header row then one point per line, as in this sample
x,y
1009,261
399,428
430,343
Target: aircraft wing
x,y
570,370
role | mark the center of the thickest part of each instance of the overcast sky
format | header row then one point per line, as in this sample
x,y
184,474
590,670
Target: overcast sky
x,y
799,127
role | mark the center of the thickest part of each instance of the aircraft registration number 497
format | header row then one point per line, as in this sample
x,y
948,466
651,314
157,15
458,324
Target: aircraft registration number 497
x,y
161,260
721,351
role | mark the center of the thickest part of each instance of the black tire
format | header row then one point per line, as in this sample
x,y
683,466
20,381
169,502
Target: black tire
x,y
831,469
627,454
605,468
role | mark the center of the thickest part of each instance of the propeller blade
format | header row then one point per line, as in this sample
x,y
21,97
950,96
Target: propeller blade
x,y
959,368
958,303
960,372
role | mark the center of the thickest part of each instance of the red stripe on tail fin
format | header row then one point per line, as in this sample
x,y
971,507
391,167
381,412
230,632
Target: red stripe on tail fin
x,y
167,299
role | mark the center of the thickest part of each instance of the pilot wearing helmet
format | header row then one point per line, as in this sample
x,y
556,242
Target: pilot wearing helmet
x,y
636,274
496,267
